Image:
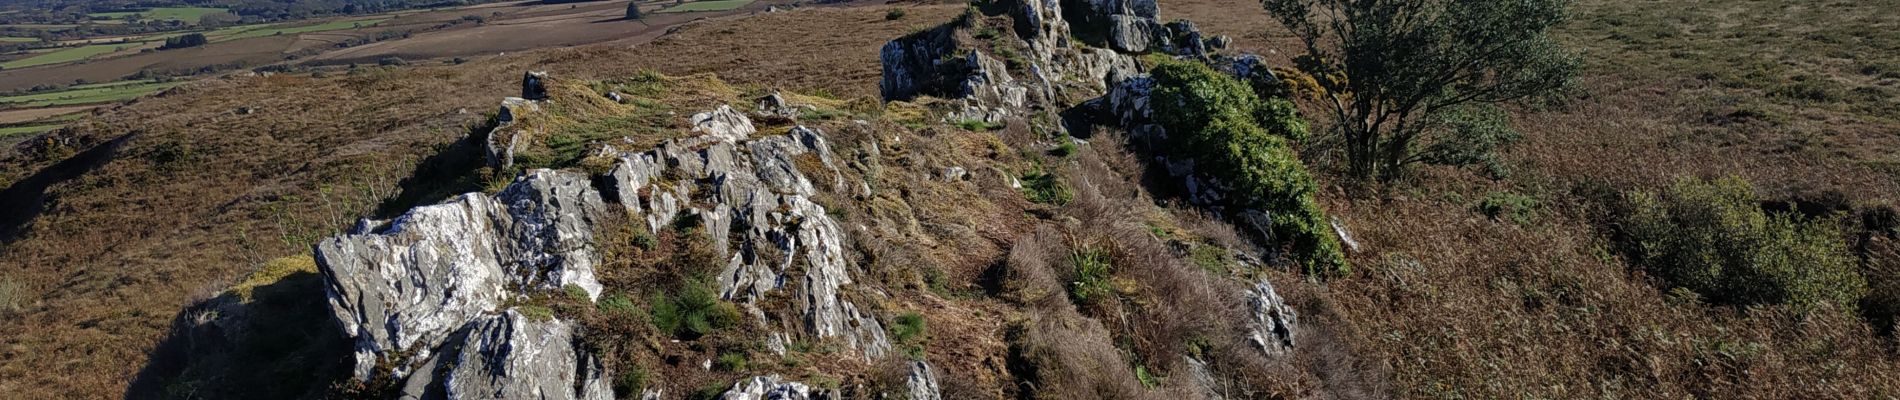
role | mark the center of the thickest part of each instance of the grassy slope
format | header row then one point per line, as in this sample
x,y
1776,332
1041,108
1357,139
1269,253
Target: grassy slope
x,y
88,94
1464,306
66,55
248,31
250,190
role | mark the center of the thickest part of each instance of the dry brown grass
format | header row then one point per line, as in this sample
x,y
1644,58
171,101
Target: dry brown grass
x,y
1459,305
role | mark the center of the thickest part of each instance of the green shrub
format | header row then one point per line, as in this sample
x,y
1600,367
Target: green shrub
x,y
730,361
1217,120
630,382
536,312
1064,150
617,303
1148,380
1713,238
1044,188
1508,206
910,333
1211,258
1470,135
909,327
693,312
577,293
1093,275
894,14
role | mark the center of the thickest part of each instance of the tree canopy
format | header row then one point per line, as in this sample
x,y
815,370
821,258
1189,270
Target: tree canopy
x,y
1392,69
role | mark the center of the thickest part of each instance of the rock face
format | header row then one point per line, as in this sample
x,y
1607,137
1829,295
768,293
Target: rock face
x,y
922,382
424,295
1272,327
511,356
770,387
756,205
403,288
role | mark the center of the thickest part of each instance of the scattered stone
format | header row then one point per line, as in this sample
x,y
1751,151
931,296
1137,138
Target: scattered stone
x,y
955,173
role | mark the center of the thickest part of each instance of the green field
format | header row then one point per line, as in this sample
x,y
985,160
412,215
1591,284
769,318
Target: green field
x,y
187,14
65,55
88,94
711,5
9,39
251,31
25,130
38,26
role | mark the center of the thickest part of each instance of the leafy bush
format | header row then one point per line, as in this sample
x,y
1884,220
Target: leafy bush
x,y
1508,206
894,14
1217,120
1712,238
693,312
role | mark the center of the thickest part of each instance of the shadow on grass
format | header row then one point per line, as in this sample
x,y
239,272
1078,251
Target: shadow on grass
x,y
455,168
22,202
281,344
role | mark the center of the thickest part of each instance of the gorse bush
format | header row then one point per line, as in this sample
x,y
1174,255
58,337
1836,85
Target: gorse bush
x,y
1713,238
1241,141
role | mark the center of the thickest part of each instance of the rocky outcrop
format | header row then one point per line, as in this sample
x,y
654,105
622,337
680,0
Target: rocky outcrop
x,y
507,136
756,205
511,356
404,288
1271,328
771,387
922,382
534,85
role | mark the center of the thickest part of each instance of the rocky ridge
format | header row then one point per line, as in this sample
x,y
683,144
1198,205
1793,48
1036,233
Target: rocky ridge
x,y
434,298
937,63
